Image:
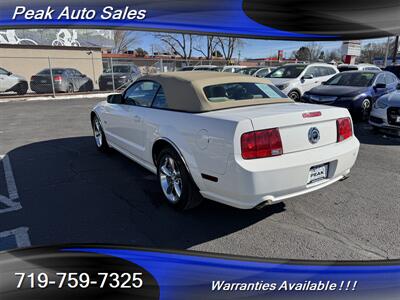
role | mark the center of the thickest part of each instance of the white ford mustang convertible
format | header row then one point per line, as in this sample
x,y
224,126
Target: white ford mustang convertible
x,y
231,138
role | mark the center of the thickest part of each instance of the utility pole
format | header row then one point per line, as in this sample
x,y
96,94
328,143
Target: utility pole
x,y
396,48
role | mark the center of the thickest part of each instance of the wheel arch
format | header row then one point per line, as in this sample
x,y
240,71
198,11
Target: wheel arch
x,y
160,144
163,142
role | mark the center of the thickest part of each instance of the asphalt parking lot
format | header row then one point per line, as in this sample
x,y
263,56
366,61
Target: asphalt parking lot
x,y
57,188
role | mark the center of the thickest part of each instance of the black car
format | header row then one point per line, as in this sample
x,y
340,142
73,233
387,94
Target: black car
x,y
395,69
119,77
64,79
354,90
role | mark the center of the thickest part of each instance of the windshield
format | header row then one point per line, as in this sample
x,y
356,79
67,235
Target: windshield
x,y
290,71
119,69
242,91
352,79
53,71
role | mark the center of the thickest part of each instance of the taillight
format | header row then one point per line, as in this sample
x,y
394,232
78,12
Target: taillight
x,y
261,143
344,129
57,78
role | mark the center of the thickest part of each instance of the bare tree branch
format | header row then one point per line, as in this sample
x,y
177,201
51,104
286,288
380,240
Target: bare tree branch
x,y
123,40
179,44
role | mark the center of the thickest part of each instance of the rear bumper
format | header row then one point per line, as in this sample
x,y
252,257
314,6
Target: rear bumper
x,y
249,183
48,88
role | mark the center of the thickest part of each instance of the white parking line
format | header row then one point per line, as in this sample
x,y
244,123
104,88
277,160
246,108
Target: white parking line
x,y
21,236
9,201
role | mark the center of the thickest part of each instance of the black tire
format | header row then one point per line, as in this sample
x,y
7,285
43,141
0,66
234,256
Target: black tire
x,y
189,197
365,109
99,136
22,88
70,88
294,95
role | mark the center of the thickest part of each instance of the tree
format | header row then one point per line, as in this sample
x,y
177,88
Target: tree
x,y
208,52
374,50
123,40
310,52
140,52
333,55
228,45
177,44
303,54
315,50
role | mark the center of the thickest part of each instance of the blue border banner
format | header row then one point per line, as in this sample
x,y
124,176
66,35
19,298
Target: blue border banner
x,y
37,272
190,276
285,19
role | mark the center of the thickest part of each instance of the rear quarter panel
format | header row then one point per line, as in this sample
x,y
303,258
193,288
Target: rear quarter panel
x,y
204,142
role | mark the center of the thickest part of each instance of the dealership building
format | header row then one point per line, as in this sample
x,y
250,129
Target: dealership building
x,y
26,52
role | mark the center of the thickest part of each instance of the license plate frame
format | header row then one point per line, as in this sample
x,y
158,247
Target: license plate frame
x,y
398,119
318,173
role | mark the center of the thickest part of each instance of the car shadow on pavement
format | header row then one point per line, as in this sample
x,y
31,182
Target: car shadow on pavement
x,y
367,135
72,193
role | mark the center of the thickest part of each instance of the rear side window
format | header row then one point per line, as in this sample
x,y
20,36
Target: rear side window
x,y
326,71
242,91
315,71
159,100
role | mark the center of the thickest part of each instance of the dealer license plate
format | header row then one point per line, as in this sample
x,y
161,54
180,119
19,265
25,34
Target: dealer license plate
x,y
318,173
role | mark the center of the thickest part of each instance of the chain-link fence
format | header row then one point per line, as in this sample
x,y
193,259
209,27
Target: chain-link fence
x,y
62,75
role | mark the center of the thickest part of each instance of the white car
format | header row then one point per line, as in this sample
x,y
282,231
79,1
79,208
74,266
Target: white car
x,y
231,138
232,69
10,82
359,67
385,112
296,79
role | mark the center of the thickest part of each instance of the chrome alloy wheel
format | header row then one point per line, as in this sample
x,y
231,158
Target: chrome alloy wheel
x,y
170,179
98,136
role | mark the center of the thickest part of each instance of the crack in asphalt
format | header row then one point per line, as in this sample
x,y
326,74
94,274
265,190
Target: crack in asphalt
x,y
327,232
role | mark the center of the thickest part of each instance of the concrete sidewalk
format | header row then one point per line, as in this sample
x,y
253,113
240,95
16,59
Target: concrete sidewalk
x,y
35,97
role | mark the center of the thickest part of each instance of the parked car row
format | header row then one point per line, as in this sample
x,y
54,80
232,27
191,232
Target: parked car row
x,y
67,80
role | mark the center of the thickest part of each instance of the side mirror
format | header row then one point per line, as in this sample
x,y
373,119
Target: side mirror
x,y
380,86
323,83
308,76
9,73
115,99
83,75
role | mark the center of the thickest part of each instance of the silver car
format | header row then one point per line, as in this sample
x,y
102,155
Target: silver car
x,y
385,112
10,82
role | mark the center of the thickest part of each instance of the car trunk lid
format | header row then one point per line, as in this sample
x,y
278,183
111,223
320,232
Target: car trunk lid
x,y
301,126
300,129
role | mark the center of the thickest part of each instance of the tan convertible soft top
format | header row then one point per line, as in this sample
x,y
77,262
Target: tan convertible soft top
x,y
184,90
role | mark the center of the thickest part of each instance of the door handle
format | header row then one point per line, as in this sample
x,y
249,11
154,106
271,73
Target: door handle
x,y
137,118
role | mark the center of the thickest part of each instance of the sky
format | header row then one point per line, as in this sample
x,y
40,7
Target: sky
x,y
252,48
